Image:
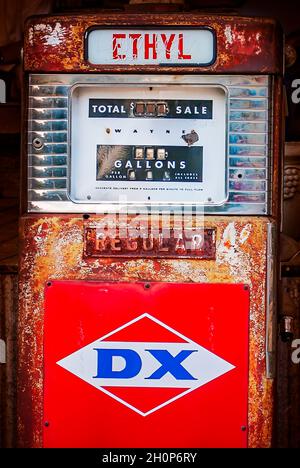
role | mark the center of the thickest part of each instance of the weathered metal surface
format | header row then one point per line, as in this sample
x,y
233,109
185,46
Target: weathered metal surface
x,y
8,326
178,243
246,45
52,248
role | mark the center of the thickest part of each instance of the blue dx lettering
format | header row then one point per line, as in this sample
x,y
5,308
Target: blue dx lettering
x,y
171,364
133,364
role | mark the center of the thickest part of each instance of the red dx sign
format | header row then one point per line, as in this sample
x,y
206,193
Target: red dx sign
x,y
128,366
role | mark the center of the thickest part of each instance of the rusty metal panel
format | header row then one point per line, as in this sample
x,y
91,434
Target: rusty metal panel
x,y
244,45
8,333
52,249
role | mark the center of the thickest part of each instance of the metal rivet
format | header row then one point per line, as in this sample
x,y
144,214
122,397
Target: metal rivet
x,y
86,216
246,287
243,428
49,283
88,197
46,423
38,143
147,285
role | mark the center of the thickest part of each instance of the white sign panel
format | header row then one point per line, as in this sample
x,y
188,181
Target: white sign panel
x,y
109,364
148,144
151,47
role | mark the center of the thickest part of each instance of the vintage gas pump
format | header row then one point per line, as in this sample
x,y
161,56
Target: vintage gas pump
x,y
148,253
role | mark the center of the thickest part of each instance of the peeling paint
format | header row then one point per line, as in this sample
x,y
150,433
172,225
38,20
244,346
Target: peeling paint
x,y
228,35
230,252
229,237
243,42
51,35
245,233
56,36
53,249
30,35
244,45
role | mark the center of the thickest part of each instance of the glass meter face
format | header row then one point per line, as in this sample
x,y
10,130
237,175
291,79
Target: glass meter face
x,y
148,144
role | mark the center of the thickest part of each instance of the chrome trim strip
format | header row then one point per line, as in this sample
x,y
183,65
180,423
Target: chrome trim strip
x,y
271,302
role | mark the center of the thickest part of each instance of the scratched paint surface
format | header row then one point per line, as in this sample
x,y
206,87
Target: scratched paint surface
x,y
52,248
245,45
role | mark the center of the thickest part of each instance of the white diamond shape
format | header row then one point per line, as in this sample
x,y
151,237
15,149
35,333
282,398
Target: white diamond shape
x,y
202,364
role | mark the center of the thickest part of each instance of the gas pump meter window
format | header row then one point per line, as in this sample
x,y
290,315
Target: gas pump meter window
x,y
151,144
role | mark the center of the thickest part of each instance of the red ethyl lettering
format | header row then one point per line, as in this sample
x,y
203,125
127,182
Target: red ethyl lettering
x,y
116,44
150,45
181,54
135,39
168,43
